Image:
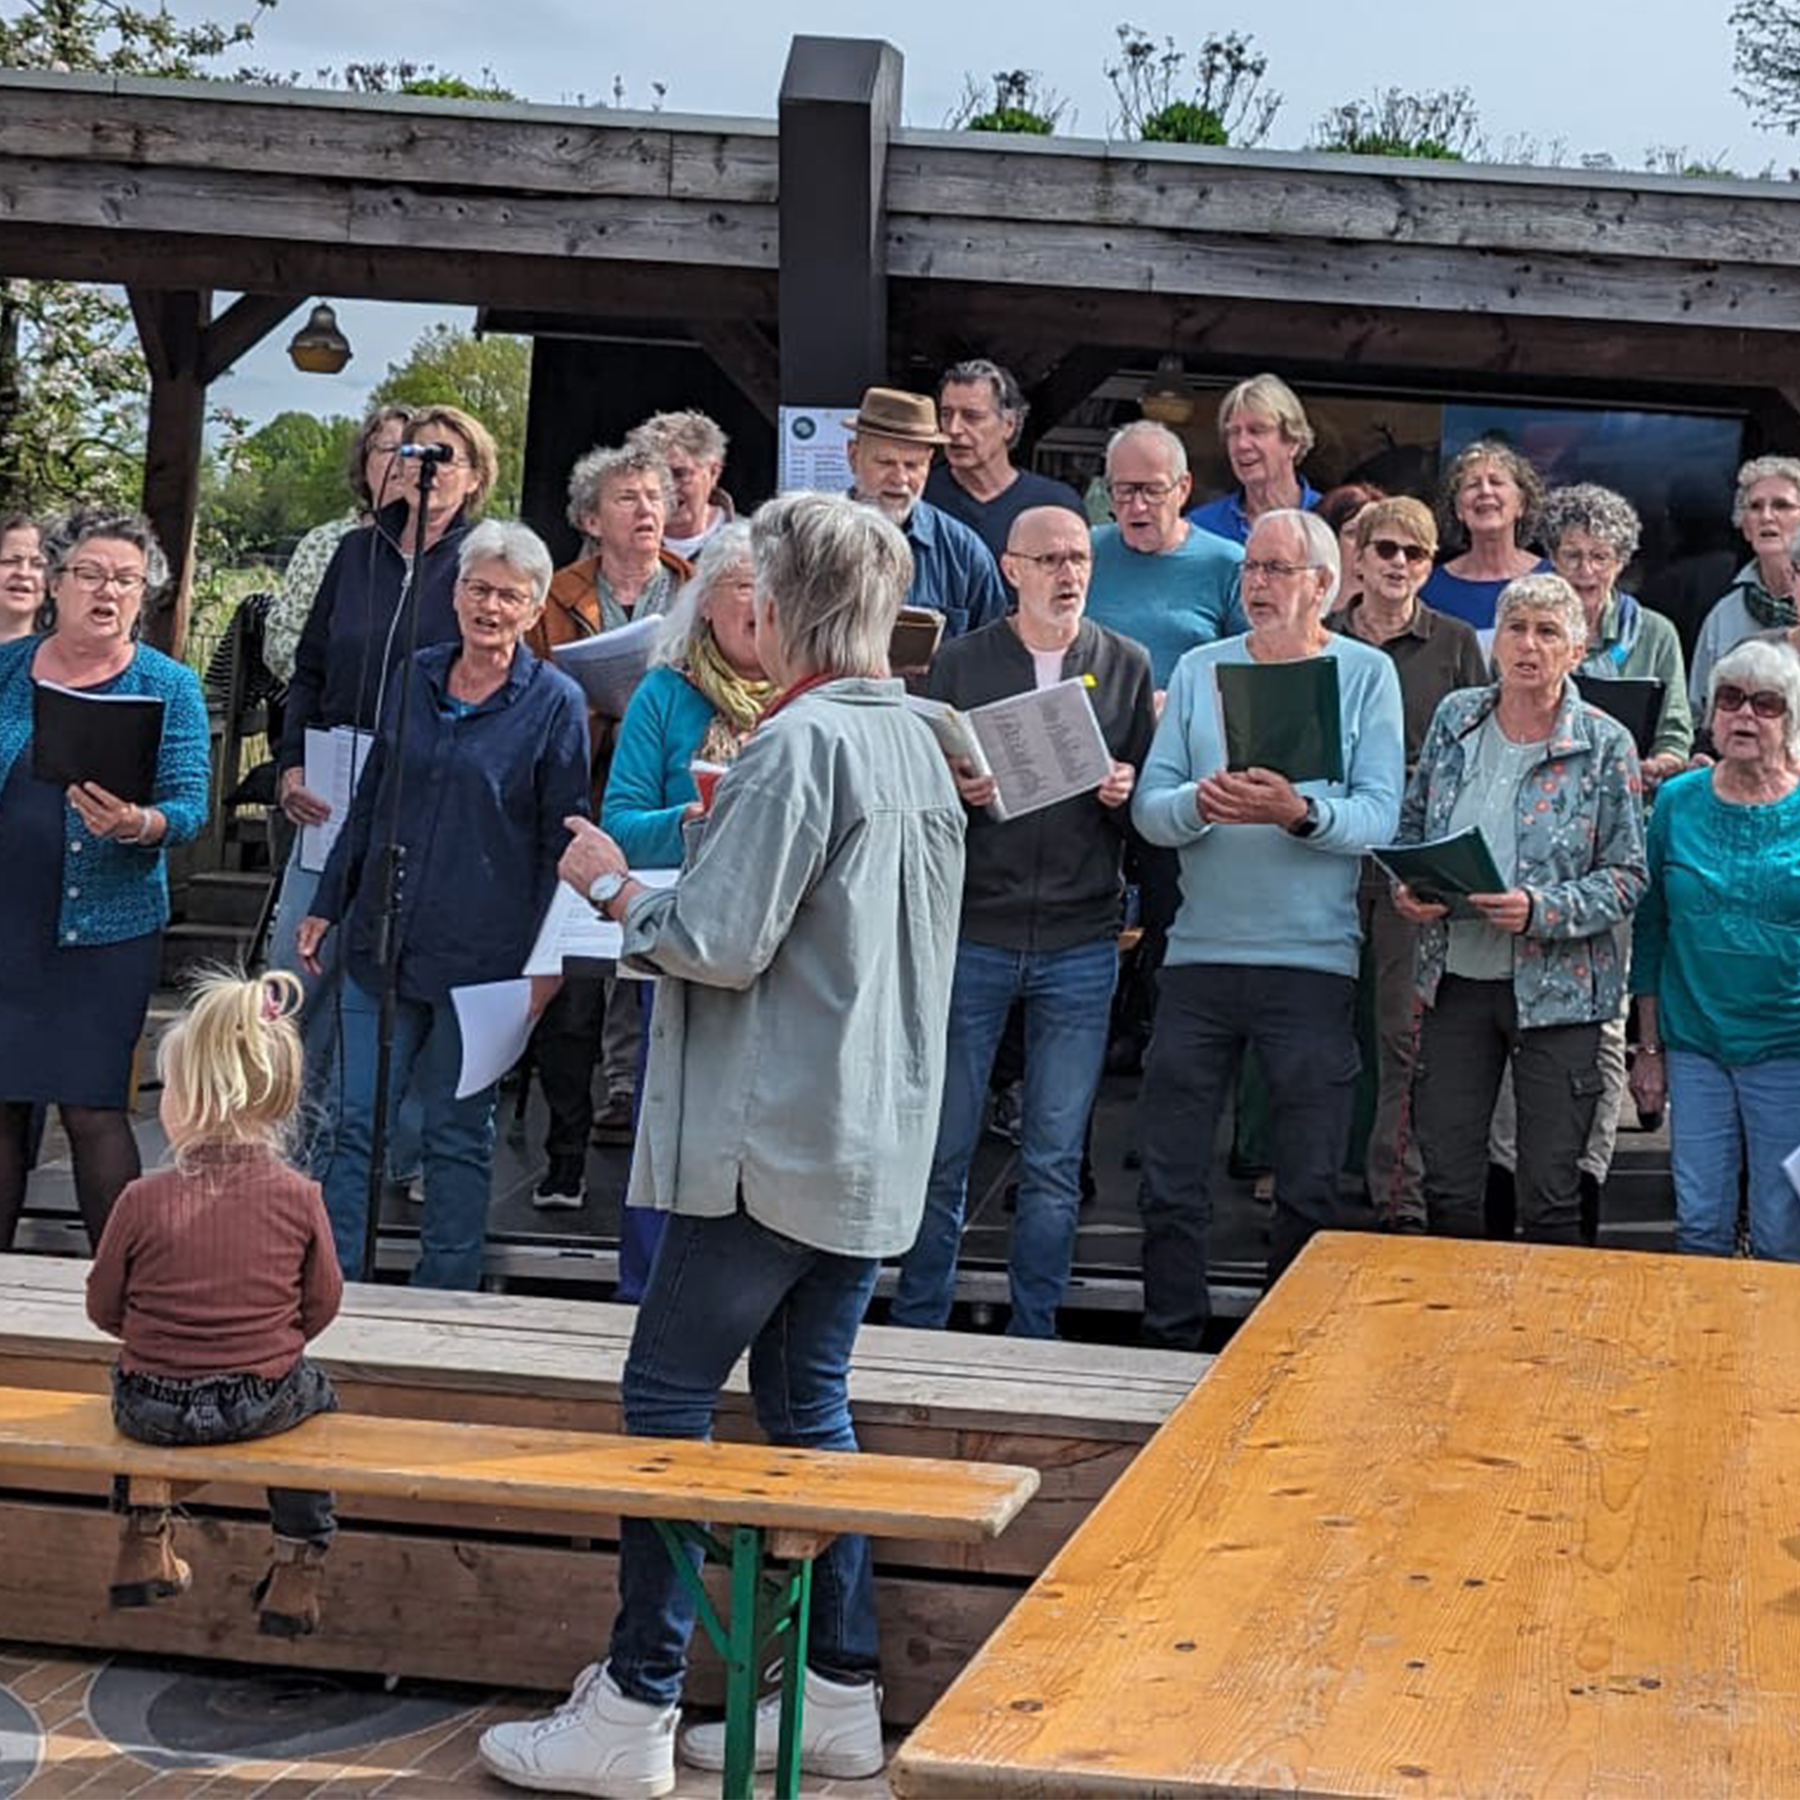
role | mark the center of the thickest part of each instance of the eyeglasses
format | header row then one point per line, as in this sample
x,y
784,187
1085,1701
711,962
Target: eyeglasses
x,y
1271,570
1388,548
483,591
39,563
94,578
1765,704
1052,560
1585,559
1122,493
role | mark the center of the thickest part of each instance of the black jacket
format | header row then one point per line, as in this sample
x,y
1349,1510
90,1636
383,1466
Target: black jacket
x,y
1049,880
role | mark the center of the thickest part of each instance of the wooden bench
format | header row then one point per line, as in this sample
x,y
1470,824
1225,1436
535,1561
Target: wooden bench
x,y
1457,1520
782,1505
532,1591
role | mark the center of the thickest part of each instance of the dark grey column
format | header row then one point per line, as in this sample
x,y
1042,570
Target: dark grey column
x,y
840,99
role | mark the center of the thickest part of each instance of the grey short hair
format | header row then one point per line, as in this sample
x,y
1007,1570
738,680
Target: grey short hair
x,y
1322,549
728,548
1171,446
1758,663
507,541
1598,511
696,433
1543,593
833,575
1762,468
588,478
1009,397
1270,395
62,538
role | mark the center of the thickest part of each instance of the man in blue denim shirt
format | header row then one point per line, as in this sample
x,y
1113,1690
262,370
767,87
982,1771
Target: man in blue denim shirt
x,y
890,457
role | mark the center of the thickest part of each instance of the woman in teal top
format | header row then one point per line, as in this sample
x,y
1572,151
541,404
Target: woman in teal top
x,y
1716,962
699,703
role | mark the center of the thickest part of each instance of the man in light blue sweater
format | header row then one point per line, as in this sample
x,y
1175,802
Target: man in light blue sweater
x,y
1264,948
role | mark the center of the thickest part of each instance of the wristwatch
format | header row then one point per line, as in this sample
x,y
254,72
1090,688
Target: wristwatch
x,y
1308,822
604,889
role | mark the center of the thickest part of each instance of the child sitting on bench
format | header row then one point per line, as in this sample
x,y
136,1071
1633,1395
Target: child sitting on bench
x,y
216,1272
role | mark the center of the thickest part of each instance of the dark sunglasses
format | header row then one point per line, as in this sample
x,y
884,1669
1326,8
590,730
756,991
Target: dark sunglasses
x,y
1764,704
1388,548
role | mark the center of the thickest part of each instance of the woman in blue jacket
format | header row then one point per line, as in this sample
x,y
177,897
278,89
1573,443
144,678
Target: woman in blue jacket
x,y
698,704
85,896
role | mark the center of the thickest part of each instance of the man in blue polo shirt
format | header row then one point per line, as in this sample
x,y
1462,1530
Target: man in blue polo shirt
x,y
1266,434
890,458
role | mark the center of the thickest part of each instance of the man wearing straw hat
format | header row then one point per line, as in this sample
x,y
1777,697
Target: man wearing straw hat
x,y
890,457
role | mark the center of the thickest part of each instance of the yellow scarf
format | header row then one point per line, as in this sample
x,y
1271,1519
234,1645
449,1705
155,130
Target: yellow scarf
x,y
737,699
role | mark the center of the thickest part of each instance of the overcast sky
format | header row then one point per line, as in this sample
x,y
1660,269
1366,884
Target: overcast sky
x,y
1602,75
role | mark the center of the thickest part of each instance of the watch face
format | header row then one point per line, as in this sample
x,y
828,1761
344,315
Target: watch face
x,y
604,887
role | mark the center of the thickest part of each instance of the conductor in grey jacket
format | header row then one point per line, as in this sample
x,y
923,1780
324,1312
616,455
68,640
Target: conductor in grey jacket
x,y
804,961
1040,925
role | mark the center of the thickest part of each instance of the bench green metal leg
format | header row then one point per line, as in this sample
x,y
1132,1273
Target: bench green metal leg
x,y
767,1611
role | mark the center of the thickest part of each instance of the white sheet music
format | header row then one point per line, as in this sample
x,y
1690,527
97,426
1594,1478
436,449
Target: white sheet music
x,y
573,928
1041,747
495,1020
334,765
610,664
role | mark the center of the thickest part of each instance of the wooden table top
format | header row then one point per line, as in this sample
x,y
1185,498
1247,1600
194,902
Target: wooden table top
x,y
1446,1519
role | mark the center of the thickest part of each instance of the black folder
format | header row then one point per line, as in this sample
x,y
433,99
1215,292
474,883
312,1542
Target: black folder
x,y
1283,716
1445,871
110,739
1636,701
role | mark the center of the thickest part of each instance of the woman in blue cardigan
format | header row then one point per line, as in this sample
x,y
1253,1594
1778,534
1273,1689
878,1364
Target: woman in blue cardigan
x,y
699,704
85,896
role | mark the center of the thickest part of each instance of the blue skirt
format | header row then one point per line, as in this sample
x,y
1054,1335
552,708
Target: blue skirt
x,y
70,1016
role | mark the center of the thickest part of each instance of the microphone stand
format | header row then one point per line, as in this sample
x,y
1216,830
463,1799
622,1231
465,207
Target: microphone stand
x,y
390,877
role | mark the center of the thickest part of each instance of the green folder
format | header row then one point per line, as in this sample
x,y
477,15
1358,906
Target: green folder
x,y
1283,716
1445,871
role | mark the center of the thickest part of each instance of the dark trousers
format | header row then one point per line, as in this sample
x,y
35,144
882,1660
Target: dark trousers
x,y
564,1048
227,1409
1303,1025
1156,872
1471,1032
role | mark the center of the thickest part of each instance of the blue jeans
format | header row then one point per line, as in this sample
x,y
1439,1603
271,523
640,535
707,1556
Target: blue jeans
x,y
1715,1111
1302,1024
1067,996
458,1144
717,1287
320,1024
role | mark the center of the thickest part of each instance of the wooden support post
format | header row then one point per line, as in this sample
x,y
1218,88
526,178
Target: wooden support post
x,y
840,100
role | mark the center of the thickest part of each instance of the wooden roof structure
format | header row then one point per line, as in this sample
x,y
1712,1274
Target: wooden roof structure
x,y
813,253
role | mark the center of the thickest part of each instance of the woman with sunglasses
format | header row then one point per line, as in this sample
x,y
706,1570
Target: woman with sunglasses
x,y
1716,962
1393,543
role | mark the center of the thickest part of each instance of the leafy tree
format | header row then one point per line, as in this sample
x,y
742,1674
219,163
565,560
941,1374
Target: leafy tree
x,y
117,38
1442,125
1766,61
487,376
262,490
1019,101
1220,100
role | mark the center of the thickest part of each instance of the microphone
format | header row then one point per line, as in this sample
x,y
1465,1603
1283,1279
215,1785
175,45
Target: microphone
x,y
436,453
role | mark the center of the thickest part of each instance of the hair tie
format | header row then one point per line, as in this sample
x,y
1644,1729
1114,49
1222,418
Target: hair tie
x,y
271,1003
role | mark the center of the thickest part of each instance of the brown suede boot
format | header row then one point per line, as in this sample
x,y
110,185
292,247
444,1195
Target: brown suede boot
x,y
287,1598
148,1569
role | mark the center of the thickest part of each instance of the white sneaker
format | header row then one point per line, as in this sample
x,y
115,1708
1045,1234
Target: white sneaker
x,y
598,1742
840,1732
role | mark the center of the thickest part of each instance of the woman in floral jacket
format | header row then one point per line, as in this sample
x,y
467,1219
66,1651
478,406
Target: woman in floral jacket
x,y
1528,977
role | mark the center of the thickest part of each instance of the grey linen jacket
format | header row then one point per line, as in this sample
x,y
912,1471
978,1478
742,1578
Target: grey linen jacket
x,y
806,955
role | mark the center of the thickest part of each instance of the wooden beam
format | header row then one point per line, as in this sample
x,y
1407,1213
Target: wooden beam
x,y
240,327
172,328
745,354
1074,377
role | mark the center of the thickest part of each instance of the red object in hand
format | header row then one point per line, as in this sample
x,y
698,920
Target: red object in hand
x,y
706,779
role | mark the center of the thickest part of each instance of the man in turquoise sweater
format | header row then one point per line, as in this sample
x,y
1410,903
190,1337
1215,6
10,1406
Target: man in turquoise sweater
x,y
1264,948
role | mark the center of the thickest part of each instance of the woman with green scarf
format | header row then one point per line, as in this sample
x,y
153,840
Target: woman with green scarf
x,y
698,704
1767,511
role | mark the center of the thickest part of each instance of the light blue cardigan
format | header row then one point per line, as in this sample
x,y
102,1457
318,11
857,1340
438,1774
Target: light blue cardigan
x,y
123,891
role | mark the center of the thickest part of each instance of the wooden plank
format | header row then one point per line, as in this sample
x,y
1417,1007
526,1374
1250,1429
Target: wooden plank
x,y
241,327
534,149
1072,254
1344,200
1448,1520
436,1606
531,1468
229,203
